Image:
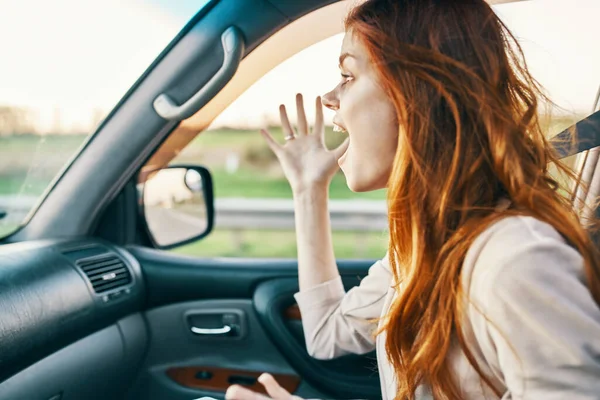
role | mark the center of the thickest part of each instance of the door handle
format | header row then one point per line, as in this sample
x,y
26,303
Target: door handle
x,y
224,323
212,331
233,47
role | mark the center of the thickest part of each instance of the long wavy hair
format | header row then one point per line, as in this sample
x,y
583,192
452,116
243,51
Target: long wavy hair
x,y
469,135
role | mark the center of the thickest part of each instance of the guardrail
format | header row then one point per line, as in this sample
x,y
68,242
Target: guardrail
x,y
272,214
238,216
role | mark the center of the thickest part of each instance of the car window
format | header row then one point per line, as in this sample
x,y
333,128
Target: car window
x,y
558,56
249,182
66,64
248,179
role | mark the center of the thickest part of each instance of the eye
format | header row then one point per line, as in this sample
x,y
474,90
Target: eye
x,y
346,78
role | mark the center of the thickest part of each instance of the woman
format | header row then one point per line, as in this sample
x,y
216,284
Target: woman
x,y
491,287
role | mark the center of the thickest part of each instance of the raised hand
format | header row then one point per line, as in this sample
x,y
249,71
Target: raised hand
x,y
305,159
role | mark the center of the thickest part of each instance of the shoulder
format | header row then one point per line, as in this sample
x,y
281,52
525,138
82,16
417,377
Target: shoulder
x,y
530,312
514,255
514,234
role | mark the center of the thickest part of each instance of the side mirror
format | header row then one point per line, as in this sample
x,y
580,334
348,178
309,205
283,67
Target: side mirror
x,y
177,205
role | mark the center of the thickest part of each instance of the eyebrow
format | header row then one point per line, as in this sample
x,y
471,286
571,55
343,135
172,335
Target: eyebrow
x,y
344,56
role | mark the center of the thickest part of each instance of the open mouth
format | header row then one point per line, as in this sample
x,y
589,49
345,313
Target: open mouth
x,y
338,128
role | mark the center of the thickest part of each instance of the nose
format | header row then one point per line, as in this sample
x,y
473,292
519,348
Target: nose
x,y
330,100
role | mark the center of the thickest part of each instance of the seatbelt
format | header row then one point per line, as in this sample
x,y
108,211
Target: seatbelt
x,y
588,137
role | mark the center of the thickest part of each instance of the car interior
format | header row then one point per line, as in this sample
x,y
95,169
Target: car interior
x,y
91,304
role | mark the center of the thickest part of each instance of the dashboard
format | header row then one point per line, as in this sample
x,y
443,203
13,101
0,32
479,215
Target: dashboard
x,y
71,321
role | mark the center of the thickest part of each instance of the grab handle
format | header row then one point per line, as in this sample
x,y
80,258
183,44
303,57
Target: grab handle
x,y
233,47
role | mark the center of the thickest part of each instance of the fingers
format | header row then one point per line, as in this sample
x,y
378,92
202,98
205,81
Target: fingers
x,y
270,141
237,392
285,122
302,122
273,388
341,149
319,124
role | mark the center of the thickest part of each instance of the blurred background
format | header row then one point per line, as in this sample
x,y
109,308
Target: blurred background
x,y
67,63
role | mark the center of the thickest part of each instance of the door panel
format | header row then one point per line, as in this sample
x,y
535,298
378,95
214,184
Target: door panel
x,y
172,278
219,379
350,376
268,330
180,364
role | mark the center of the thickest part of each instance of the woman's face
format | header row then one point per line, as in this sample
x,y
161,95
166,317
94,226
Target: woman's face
x,y
364,111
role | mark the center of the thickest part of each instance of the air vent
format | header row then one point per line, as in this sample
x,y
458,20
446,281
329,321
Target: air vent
x,y
106,272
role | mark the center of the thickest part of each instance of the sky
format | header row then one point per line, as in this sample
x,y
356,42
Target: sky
x,y
70,61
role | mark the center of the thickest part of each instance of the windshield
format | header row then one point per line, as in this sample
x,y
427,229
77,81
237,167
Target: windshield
x,y
66,64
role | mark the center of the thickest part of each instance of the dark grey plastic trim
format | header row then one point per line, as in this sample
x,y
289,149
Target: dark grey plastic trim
x,y
98,367
173,345
233,48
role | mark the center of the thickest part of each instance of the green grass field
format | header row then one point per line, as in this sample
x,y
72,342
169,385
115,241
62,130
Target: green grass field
x,y
251,184
282,244
28,163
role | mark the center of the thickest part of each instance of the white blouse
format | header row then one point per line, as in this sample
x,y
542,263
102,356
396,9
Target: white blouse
x,y
537,335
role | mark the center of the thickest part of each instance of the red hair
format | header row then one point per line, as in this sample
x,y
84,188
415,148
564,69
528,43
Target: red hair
x,y
469,135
